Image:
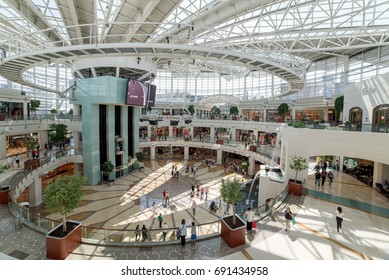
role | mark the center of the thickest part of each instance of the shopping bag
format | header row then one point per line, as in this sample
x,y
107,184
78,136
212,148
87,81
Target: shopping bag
x,y
293,221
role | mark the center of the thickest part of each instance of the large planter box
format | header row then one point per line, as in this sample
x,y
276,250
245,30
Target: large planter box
x,y
58,248
295,188
219,142
233,235
253,148
4,195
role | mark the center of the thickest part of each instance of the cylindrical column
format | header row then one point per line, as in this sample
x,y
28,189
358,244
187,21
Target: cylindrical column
x,y
35,192
152,152
219,156
186,153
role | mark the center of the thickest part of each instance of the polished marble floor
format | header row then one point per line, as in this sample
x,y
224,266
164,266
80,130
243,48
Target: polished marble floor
x,y
364,235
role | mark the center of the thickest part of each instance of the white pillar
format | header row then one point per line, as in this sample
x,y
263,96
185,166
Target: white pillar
x,y
170,132
186,153
341,159
43,138
35,192
3,147
219,156
251,169
378,172
148,131
212,133
152,152
233,134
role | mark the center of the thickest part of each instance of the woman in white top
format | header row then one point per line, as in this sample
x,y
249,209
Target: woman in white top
x,y
339,218
249,219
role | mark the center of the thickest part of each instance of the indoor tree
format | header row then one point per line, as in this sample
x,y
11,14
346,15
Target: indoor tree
x,y
140,157
34,105
57,133
231,193
298,164
338,106
63,195
282,109
191,109
215,111
234,110
107,168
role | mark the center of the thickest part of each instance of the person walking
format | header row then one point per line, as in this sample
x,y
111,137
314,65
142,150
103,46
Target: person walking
x,y
160,219
317,178
202,192
206,193
164,230
167,198
193,236
182,232
323,177
137,233
18,160
249,219
339,218
288,218
144,233
330,177
194,207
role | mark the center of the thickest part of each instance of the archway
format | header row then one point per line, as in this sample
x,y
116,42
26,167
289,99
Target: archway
x,y
355,117
381,118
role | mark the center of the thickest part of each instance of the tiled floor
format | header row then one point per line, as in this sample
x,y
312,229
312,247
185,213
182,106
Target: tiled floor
x,y
364,235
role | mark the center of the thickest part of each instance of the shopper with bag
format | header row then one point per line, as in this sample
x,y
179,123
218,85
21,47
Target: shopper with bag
x,y
182,232
288,218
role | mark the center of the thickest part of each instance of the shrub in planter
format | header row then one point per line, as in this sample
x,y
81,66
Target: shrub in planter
x,y
61,197
107,168
298,164
233,229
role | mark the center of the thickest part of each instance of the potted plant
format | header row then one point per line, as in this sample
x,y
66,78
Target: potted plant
x,y
140,157
57,133
215,112
34,105
107,168
298,164
282,109
245,166
191,109
234,111
233,229
61,197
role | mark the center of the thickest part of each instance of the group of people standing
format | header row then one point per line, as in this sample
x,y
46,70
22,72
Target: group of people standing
x,y
321,174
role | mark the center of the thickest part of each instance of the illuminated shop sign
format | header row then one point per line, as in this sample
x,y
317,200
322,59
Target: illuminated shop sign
x,y
350,163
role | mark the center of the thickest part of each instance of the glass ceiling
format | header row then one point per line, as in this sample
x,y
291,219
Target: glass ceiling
x,y
291,33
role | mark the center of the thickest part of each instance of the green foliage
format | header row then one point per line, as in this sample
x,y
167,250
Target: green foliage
x,y
70,112
234,110
34,105
30,144
107,167
297,124
245,165
338,105
57,132
215,111
231,193
63,195
54,111
298,163
4,167
140,156
282,109
191,109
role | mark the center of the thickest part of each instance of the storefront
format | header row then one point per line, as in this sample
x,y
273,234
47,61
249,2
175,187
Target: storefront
x,y
381,118
360,169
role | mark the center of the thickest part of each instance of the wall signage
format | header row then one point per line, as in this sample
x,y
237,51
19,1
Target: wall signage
x,y
368,90
350,163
